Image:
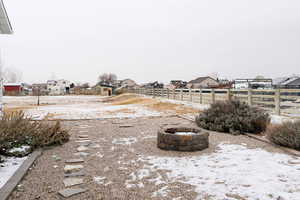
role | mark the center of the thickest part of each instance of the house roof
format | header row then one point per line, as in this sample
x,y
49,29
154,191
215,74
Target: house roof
x,y
5,26
200,79
294,80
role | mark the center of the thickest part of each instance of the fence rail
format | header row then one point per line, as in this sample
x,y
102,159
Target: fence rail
x,y
277,100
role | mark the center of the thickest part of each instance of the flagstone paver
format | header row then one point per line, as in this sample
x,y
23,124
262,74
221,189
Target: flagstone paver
x,y
71,192
76,160
71,181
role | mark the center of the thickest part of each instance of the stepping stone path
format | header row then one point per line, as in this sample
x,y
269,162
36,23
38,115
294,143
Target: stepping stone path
x,y
74,169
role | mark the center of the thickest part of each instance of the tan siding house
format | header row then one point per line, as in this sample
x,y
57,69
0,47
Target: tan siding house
x,y
203,82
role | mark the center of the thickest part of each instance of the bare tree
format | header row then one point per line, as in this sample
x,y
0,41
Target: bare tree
x,y
107,78
11,75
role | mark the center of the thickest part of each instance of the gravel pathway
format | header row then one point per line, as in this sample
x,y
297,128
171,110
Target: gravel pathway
x,y
115,161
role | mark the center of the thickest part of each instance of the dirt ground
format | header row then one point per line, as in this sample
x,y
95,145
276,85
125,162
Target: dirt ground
x,y
116,160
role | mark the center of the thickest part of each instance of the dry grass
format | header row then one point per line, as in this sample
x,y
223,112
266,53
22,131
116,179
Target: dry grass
x,y
153,104
16,109
120,98
125,110
178,109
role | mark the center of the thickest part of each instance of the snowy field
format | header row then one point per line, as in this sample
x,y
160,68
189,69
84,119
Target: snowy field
x,y
232,172
75,107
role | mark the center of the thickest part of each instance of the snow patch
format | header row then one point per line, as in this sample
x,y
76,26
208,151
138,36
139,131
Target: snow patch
x,y
125,141
10,166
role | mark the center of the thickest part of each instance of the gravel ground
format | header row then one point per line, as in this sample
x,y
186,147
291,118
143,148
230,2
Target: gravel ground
x,y
115,158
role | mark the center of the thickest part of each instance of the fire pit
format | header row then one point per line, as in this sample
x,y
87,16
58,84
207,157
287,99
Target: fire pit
x,y
182,139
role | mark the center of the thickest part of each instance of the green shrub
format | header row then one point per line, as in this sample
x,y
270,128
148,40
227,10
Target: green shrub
x,y
233,117
286,134
16,130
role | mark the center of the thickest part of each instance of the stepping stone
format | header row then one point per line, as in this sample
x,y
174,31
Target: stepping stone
x,y
82,148
71,192
294,162
80,173
126,126
79,160
69,182
81,154
83,136
72,168
95,146
81,141
85,144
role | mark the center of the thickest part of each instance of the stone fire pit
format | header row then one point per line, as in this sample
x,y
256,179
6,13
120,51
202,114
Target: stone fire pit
x,y
182,139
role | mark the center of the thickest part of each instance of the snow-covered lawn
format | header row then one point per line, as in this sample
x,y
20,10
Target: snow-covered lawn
x,y
232,171
76,107
9,167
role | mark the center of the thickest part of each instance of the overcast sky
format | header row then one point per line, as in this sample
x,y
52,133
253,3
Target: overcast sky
x,y
149,40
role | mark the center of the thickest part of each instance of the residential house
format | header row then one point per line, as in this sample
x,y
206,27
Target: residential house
x,y
126,83
252,83
152,85
13,89
58,87
287,82
176,84
203,82
39,89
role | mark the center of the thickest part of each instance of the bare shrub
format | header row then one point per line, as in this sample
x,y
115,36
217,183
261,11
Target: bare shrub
x,y
233,117
17,129
286,134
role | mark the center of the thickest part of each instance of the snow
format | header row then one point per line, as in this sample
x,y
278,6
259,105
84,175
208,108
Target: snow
x,y
278,119
76,107
125,141
233,169
185,133
10,166
23,148
186,103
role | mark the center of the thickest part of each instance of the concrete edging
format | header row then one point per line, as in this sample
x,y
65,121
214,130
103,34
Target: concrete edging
x,y
11,184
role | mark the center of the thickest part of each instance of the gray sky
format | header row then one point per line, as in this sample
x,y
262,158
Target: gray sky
x,y
149,40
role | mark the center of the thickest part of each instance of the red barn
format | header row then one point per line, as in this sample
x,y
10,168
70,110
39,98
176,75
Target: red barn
x,y
13,89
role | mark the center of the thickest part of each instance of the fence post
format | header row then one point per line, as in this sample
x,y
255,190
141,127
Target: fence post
x,y
181,93
200,93
250,97
191,95
277,101
213,96
229,95
174,94
168,93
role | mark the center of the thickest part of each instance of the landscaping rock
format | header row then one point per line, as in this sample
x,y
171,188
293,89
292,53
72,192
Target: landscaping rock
x,y
71,192
126,126
78,160
68,182
80,173
83,136
82,148
72,168
84,154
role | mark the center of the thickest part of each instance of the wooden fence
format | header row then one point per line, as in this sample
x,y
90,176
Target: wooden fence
x,y
276,100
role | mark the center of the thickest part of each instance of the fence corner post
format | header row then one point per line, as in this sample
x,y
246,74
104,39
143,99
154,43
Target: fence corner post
x,y
277,102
